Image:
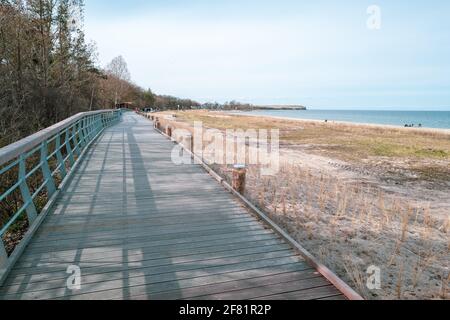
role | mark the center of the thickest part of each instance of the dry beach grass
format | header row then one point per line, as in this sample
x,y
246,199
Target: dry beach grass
x,y
358,196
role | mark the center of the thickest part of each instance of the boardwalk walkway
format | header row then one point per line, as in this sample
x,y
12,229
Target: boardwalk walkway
x,y
140,227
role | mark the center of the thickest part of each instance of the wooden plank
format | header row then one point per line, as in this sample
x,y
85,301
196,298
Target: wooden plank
x,y
308,294
219,291
137,237
98,208
268,290
154,252
142,209
139,203
98,230
187,243
84,216
50,279
144,259
55,224
52,289
140,227
171,290
166,193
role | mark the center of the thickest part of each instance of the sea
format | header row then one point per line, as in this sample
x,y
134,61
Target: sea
x,y
425,119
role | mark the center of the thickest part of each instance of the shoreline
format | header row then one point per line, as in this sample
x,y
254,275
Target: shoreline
x,y
347,123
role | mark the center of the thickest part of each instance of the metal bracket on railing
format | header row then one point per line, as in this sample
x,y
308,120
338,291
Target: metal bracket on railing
x,y
100,124
25,191
59,157
85,131
80,135
76,148
69,147
51,188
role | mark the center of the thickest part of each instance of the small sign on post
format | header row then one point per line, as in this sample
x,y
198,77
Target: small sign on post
x,y
239,178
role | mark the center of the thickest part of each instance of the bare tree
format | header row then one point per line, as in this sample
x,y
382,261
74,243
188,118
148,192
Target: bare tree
x,y
47,70
45,65
118,70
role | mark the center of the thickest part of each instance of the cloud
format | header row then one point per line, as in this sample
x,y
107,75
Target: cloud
x,y
263,58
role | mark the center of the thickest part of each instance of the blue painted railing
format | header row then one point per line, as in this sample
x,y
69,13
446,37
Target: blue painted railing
x,y
34,169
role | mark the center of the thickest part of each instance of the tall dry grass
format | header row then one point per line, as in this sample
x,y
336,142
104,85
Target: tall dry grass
x,y
351,226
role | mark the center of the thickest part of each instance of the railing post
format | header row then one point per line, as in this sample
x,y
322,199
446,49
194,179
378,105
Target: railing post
x,y
25,191
81,134
76,148
3,254
59,157
189,143
51,188
85,130
92,126
69,148
99,123
239,177
95,125
104,120
89,127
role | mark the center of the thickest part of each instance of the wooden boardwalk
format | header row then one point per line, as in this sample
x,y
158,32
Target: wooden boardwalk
x,y
140,227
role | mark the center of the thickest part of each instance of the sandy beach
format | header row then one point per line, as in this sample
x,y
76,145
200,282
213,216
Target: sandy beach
x,y
357,195
369,125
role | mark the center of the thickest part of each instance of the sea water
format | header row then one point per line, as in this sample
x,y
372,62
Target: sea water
x,y
426,119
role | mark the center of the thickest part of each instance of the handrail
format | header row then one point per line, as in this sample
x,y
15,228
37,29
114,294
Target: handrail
x,y
47,158
12,151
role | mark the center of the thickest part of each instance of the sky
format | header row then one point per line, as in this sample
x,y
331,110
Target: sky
x,y
321,54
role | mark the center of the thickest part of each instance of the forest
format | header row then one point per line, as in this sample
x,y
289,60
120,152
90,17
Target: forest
x,y
48,70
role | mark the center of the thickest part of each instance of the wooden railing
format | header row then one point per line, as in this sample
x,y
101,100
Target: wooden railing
x,y
35,169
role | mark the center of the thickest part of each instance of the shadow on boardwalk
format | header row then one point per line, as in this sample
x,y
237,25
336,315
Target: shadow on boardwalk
x,y
140,227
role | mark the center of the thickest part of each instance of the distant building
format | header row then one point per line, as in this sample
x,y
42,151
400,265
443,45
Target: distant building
x,y
125,105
